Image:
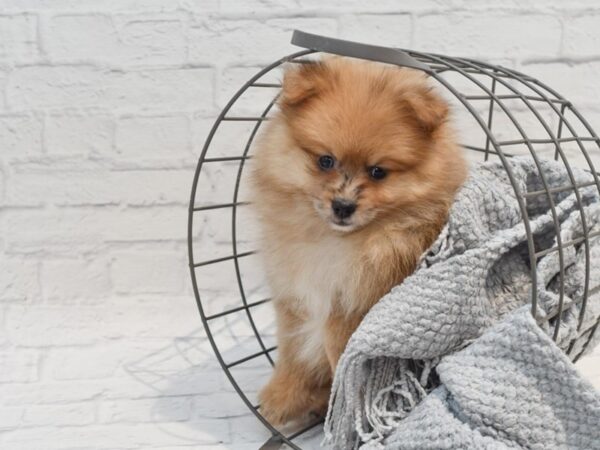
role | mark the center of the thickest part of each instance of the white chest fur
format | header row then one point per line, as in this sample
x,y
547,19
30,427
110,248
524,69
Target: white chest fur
x,y
312,276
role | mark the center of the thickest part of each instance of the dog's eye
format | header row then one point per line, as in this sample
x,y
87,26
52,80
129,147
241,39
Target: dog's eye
x,y
326,162
377,173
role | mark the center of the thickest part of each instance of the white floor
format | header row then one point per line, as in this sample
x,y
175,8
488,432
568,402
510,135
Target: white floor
x,y
158,386
244,431
220,419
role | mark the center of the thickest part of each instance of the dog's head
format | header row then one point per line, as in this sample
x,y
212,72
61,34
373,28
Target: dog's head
x,y
356,139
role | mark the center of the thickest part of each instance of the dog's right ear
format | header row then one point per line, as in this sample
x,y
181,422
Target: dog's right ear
x,y
302,83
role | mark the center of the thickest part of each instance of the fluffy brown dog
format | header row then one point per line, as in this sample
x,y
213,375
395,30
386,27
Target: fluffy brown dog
x,y
353,180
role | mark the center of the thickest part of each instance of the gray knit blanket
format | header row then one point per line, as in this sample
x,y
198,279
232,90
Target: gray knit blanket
x,y
452,358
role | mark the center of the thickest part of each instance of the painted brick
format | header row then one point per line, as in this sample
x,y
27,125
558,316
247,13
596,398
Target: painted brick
x,y
3,82
392,30
124,40
19,280
18,38
19,367
88,228
87,86
66,279
182,89
78,134
254,100
560,76
55,86
3,338
20,135
225,42
2,187
10,417
582,35
153,137
59,415
98,187
155,272
110,6
200,127
490,35
84,325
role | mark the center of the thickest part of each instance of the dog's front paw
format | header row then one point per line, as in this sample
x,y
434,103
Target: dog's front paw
x,y
285,399
277,404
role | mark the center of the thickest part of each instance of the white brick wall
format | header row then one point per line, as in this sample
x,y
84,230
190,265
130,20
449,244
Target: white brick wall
x,y
104,106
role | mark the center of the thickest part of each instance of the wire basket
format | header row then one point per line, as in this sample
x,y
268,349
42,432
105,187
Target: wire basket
x,y
499,112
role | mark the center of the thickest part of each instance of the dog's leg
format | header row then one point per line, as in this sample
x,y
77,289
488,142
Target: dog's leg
x,y
297,387
338,330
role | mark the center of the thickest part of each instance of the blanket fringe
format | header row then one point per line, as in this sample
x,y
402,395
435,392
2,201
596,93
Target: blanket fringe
x,y
365,409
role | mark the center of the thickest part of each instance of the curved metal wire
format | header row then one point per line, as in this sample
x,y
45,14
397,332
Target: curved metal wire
x,y
519,195
585,230
438,66
193,264
234,228
559,151
544,183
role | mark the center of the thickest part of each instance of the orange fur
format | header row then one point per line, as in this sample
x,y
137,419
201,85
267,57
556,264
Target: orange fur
x,y
325,274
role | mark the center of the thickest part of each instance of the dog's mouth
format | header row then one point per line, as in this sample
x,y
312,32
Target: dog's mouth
x,y
343,225
341,222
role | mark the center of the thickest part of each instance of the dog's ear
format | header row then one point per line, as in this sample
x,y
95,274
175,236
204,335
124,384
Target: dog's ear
x,y
426,106
302,83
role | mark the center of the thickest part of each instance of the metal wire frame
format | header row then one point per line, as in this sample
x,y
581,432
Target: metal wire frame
x,y
277,437
437,67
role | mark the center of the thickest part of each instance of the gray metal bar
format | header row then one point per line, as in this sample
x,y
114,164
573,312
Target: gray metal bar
x,y
357,50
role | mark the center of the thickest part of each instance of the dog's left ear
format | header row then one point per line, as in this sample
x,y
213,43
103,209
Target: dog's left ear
x,y
429,109
302,83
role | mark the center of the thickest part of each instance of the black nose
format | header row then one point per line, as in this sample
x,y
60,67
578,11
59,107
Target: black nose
x,y
343,208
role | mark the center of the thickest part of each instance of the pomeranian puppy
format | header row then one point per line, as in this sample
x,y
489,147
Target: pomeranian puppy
x,y
353,179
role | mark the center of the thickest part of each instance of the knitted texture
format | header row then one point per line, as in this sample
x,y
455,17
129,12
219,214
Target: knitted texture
x,y
511,388
477,272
